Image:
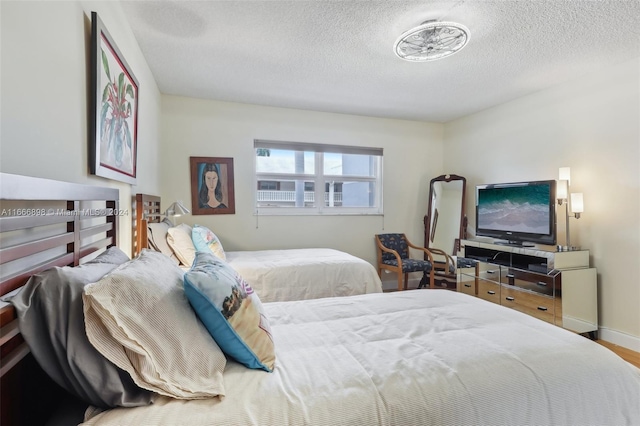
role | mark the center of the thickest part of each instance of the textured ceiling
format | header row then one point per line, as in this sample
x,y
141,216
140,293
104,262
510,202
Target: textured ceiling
x,y
337,56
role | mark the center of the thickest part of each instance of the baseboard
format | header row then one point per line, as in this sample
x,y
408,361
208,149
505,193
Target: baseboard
x,y
619,338
577,325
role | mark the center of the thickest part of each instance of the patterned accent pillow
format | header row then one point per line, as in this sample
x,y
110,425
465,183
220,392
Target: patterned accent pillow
x,y
205,240
231,311
138,317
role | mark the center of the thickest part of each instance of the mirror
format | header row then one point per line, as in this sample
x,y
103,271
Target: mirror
x,y
446,222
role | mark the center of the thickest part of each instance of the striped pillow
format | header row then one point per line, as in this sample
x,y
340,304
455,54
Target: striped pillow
x,y
139,318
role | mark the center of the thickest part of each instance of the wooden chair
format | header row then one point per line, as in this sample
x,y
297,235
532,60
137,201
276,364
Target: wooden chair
x,y
394,255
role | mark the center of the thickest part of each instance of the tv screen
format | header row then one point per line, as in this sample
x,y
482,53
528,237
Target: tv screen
x,y
518,212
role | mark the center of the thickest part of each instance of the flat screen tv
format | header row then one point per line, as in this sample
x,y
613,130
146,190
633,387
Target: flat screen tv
x,y
519,213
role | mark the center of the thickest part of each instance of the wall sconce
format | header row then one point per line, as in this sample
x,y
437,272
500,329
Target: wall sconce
x,y
176,209
573,201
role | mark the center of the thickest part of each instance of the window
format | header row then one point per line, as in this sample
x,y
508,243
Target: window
x,y
268,185
300,178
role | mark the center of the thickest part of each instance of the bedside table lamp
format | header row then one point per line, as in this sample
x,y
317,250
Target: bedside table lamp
x,y
176,209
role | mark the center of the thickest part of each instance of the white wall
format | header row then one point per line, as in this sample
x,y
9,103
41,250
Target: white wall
x,y
592,125
412,156
45,48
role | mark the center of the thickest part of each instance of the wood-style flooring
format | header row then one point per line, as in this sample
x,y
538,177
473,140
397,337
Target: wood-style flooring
x,y
624,353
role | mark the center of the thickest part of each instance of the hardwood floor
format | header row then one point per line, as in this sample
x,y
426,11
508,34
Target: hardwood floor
x,y
624,353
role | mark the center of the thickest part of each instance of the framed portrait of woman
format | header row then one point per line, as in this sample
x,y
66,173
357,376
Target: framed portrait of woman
x,y
212,185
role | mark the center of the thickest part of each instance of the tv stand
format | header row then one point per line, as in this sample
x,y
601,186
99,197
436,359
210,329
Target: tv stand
x,y
557,287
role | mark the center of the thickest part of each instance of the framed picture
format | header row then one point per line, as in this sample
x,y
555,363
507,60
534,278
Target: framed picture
x,y
212,185
113,130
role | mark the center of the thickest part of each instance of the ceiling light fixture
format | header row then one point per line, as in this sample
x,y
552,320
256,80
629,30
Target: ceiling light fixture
x,y
431,40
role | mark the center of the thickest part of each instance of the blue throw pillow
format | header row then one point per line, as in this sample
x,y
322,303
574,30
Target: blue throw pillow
x,y
231,311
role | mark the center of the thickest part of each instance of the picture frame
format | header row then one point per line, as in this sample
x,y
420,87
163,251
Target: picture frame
x,y
113,129
212,185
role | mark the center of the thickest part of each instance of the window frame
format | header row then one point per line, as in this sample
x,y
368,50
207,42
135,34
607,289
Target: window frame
x,y
320,180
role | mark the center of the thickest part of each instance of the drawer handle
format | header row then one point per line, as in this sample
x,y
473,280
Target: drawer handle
x,y
542,283
510,276
510,298
491,271
542,308
491,292
467,285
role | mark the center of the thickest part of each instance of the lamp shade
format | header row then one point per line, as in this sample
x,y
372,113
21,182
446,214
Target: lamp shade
x,y
564,173
577,202
177,209
561,190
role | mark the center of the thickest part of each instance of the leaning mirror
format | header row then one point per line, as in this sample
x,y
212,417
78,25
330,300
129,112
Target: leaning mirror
x,y
445,221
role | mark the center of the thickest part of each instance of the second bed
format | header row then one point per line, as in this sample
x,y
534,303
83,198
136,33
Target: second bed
x,y
276,275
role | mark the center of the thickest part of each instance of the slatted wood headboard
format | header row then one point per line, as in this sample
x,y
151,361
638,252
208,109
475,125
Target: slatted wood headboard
x,y
43,223
146,209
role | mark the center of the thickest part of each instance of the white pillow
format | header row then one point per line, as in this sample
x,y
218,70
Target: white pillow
x,y
139,318
179,239
205,240
157,236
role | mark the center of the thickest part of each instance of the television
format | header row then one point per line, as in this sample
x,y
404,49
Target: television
x,y
520,213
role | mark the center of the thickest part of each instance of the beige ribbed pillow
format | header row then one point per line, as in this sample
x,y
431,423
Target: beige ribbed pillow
x,y
139,318
179,239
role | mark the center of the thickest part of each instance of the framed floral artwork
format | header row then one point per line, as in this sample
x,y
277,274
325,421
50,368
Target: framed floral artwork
x,y
212,185
113,143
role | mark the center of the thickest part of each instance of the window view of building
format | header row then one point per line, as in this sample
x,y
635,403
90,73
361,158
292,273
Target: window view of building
x,y
297,178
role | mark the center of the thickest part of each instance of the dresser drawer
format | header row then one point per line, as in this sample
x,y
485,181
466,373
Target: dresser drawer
x,y
466,282
489,290
539,283
530,303
488,271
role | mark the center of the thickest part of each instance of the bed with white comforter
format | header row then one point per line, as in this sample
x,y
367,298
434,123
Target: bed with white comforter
x,y
297,274
277,275
422,357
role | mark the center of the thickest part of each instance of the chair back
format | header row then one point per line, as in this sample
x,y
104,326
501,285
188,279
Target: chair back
x,y
397,242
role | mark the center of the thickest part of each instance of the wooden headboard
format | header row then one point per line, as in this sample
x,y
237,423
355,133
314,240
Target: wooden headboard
x,y
146,209
43,223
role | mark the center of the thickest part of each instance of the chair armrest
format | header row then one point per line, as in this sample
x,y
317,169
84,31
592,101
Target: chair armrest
x,y
422,249
449,260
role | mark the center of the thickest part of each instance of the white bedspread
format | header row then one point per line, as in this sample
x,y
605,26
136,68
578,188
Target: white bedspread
x,y
422,357
298,274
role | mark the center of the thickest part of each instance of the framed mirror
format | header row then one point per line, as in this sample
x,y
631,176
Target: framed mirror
x,y
446,222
